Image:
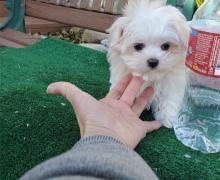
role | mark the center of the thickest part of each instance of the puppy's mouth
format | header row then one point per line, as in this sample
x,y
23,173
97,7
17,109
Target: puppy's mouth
x,y
142,72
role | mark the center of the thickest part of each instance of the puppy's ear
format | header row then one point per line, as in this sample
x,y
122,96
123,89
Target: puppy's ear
x,y
178,23
182,29
117,31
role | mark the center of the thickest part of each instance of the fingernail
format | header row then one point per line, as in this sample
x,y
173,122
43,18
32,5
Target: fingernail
x,y
51,88
150,88
158,124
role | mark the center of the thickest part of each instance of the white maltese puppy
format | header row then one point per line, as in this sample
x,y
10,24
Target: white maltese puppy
x,y
151,40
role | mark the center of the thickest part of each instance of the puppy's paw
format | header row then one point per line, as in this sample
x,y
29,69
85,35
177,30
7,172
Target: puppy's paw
x,y
165,119
167,123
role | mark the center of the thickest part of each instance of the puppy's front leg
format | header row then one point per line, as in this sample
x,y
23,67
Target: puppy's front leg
x,y
166,105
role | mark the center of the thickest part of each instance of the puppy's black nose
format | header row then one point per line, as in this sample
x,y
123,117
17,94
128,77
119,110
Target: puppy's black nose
x,y
153,63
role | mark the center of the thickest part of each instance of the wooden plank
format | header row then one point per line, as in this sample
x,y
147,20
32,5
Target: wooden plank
x,y
8,43
36,25
32,21
46,1
18,37
2,19
57,2
43,30
67,3
119,7
3,10
84,4
75,17
96,6
74,3
109,6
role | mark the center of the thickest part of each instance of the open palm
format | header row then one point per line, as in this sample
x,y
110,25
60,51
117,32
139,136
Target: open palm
x,y
117,115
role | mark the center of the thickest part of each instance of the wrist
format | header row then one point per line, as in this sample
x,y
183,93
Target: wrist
x,y
100,131
98,139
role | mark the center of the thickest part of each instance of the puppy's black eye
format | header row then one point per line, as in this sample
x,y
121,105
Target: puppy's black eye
x,y
165,46
139,46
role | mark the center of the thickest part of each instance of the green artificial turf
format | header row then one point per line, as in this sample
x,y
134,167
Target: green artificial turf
x,y
35,126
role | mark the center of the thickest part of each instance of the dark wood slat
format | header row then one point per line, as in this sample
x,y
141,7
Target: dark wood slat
x,y
35,25
75,17
18,37
7,43
46,1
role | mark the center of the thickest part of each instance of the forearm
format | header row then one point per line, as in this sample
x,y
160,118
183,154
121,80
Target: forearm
x,y
94,157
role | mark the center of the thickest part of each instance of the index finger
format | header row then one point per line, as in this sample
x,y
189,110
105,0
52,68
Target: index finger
x,y
117,91
130,93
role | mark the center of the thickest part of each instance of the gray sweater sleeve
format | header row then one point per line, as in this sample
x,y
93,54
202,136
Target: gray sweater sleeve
x,y
96,157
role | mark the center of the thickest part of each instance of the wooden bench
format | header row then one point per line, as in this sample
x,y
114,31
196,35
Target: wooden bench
x,y
96,15
32,24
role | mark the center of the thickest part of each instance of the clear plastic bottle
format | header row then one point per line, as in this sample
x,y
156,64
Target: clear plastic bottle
x,y
198,124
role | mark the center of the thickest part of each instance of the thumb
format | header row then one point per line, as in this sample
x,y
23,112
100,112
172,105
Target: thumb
x,y
151,125
68,90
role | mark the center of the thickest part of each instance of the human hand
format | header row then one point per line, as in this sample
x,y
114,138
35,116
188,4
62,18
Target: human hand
x,y
117,115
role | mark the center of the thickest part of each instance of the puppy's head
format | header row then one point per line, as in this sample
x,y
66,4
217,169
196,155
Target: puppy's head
x,y
150,37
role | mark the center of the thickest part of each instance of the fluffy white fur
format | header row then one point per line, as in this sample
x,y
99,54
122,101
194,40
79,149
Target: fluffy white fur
x,y
152,23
